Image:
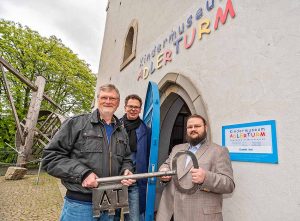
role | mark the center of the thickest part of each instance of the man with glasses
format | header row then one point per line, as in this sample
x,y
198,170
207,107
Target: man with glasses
x,y
214,178
138,142
86,147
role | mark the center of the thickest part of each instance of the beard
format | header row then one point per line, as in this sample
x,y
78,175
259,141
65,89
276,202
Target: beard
x,y
193,141
106,111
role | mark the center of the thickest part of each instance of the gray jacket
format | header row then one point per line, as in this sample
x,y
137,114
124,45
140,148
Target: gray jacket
x,y
81,147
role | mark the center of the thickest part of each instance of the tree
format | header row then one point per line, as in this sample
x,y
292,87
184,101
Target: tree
x,y
69,81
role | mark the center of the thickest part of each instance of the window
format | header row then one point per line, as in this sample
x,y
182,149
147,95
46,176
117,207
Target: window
x,y
129,47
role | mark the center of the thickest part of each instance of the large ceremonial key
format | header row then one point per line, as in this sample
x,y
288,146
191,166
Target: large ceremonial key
x,y
114,195
136,176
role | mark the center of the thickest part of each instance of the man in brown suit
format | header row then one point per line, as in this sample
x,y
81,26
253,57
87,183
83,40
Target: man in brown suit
x,y
214,177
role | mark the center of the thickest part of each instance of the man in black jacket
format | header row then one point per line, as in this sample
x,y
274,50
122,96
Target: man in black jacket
x,y
86,147
139,142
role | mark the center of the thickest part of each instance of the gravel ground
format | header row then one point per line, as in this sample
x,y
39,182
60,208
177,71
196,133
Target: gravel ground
x,y
24,200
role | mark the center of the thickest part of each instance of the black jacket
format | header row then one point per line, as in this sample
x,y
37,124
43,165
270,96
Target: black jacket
x,y
80,147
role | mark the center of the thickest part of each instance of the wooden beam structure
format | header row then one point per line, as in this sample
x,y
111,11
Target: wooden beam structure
x,y
26,81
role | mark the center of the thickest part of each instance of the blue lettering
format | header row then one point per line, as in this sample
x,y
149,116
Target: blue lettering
x,y
152,68
199,14
153,52
164,43
176,43
172,36
189,21
148,57
211,6
158,48
180,31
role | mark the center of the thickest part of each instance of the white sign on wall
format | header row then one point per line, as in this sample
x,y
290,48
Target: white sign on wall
x,y
254,141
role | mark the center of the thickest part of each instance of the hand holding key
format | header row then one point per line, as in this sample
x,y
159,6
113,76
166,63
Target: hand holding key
x,y
165,178
198,175
128,182
90,181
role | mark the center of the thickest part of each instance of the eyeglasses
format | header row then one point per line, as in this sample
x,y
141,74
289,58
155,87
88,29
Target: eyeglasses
x,y
113,99
131,107
196,126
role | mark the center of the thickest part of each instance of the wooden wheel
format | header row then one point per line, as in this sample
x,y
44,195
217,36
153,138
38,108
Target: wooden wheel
x,y
47,125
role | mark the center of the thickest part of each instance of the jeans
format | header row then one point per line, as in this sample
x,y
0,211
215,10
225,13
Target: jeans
x,y
74,210
142,217
133,201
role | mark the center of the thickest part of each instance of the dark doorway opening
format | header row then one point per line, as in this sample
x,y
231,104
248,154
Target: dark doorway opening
x,y
178,135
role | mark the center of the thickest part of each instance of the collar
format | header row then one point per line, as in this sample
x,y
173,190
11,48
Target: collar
x,y
198,145
96,118
113,120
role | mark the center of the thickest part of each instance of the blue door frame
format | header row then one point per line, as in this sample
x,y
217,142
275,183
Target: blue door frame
x,y
151,117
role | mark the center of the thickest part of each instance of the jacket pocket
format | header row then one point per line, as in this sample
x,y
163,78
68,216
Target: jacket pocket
x,y
212,210
93,142
121,146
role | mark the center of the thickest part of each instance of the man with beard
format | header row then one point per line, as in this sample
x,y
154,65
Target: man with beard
x,y
214,178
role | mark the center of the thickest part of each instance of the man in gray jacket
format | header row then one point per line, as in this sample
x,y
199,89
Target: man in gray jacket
x,y
86,147
214,177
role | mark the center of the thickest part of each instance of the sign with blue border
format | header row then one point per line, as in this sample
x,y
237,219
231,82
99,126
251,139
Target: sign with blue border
x,y
251,142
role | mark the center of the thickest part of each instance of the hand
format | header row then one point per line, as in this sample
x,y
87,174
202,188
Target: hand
x,y
165,178
127,182
198,175
90,181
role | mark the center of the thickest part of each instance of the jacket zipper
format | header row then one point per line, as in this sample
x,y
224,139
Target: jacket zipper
x,y
109,147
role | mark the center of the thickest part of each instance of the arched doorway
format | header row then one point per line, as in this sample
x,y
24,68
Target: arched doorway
x,y
174,111
178,99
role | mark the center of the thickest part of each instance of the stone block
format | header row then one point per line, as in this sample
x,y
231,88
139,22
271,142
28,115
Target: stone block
x,y
15,173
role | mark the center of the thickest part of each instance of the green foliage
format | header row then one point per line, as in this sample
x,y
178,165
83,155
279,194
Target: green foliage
x,y
69,81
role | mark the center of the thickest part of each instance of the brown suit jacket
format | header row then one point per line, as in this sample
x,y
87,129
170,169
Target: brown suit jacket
x,y
206,203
